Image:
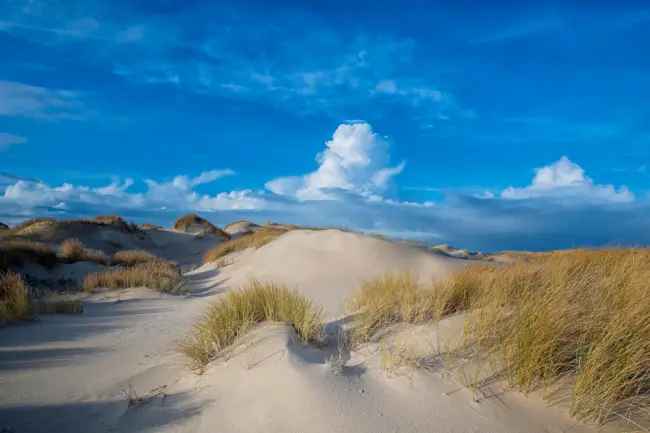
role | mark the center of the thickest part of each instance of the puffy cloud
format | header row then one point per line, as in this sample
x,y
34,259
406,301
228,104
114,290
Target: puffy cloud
x,y
18,99
24,196
562,207
565,180
7,140
355,160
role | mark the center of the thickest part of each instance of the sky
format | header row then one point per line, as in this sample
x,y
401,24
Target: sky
x,y
487,125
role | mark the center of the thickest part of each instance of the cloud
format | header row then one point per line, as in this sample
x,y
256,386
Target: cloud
x,y
567,181
23,100
415,94
8,140
355,160
29,196
79,28
386,86
351,188
520,30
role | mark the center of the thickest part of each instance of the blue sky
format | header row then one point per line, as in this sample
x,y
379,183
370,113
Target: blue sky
x,y
489,124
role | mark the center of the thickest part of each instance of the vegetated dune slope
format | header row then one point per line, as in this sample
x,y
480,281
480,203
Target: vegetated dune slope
x,y
329,265
116,367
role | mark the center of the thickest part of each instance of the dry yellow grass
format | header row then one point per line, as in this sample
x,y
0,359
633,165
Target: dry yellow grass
x,y
397,298
15,253
251,240
387,300
240,310
72,250
158,275
15,303
117,221
581,315
133,257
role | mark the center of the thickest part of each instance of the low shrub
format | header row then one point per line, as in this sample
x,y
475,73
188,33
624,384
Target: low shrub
x,y
158,275
255,239
15,303
240,310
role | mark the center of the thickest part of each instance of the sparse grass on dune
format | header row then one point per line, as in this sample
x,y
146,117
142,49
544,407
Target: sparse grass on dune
x,y
581,315
158,275
53,230
390,299
398,298
15,303
72,250
240,310
192,221
133,257
255,239
15,253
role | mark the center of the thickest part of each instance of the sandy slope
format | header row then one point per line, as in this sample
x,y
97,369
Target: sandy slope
x,y
76,374
328,265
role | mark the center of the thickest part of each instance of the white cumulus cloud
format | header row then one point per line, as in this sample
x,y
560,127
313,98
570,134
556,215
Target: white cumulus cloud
x,y
565,179
354,161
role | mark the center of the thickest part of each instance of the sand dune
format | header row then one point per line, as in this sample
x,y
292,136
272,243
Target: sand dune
x,y
116,368
328,265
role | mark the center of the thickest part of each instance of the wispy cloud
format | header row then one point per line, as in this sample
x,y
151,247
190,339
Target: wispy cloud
x,y
19,99
8,140
520,30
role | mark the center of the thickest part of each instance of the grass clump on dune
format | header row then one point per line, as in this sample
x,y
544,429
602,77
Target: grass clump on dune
x,y
15,303
390,299
255,239
240,310
159,275
72,250
400,298
133,257
582,316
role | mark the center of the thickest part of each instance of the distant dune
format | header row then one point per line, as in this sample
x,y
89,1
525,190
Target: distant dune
x,y
192,223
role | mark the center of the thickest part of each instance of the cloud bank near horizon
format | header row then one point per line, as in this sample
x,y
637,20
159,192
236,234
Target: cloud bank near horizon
x,y
354,186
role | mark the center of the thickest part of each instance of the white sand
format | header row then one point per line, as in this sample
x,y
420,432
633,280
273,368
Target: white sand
x,y
74,373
